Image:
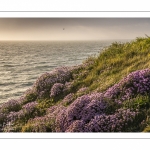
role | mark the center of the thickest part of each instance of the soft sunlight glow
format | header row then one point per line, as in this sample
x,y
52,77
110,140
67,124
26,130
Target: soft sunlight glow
x,y
73,28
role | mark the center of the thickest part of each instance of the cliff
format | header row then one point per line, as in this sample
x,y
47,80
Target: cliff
x,y
107,93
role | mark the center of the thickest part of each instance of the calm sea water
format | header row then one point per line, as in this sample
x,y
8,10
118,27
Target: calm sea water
x,y
21,63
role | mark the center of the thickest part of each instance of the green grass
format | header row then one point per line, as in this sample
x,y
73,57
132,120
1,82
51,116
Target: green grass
x,y
98,74
114,63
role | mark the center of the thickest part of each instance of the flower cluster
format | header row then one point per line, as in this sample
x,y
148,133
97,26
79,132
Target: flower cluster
x,y
88,113
29,107
12,116
10,110
9,121
56,89
113,92
68,99
53,111
11,105
76,126
46,81
83,108
137,82
118,122
112,123
26,110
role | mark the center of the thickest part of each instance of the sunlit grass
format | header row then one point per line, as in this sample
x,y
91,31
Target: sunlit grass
x,y
96,74
116,62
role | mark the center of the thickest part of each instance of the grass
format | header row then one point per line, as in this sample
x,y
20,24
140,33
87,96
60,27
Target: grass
x,y
98,74
116,62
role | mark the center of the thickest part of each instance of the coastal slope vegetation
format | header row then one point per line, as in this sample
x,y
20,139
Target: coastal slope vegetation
x,y
106,93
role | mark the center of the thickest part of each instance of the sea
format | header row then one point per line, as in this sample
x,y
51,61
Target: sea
x,y
22,62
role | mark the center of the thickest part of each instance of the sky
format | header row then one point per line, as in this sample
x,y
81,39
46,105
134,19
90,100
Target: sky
x,y
73,28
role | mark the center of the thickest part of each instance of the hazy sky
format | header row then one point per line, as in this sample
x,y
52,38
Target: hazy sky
x,y
74,28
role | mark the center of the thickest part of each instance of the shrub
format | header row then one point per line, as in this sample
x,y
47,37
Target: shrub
x,y
11,105
56,89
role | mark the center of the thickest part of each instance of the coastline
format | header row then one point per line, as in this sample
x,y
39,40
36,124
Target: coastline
x,y
106,93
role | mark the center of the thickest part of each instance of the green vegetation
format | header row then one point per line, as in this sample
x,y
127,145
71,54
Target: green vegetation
x,y
114,63
96,74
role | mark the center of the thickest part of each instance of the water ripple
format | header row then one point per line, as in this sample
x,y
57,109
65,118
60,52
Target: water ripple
x,y
22,62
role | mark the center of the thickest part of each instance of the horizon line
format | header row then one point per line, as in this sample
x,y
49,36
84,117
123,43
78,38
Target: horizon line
x,y
63,40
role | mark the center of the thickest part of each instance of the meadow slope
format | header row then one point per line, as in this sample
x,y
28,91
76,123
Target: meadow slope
x,y
107,93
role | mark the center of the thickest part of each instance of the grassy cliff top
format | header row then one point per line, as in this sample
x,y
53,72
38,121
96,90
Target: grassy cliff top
x,y
116,62
107,93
